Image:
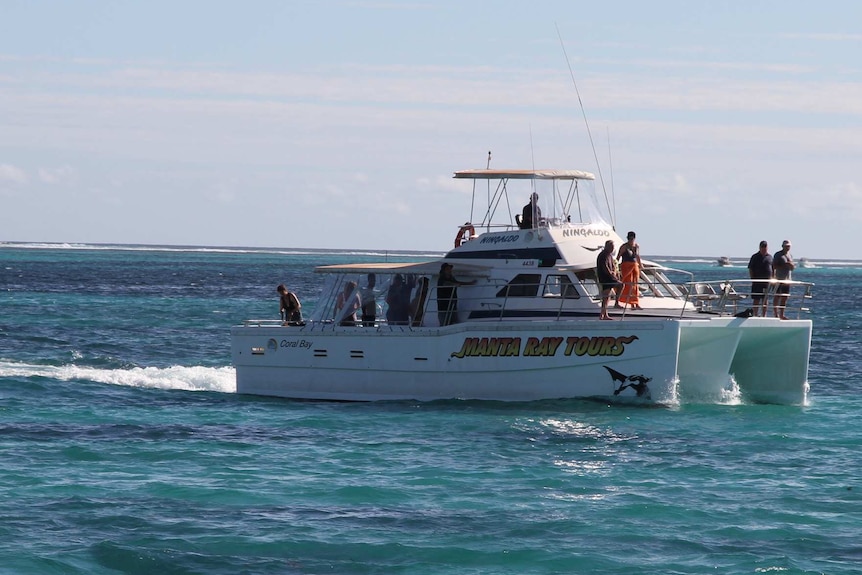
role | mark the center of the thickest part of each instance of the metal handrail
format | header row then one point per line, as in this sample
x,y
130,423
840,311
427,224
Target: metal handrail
x,y
721,297
714,297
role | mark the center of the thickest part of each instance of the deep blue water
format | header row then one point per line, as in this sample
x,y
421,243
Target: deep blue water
x,y
125,449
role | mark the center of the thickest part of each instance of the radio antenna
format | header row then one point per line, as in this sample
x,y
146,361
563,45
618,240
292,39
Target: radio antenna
x,y
611,168
589,133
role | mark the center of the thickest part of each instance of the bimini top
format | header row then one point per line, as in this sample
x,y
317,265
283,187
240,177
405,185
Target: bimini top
x,y
525,175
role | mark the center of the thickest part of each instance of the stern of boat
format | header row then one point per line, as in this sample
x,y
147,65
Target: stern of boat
x,y
766,357
771,362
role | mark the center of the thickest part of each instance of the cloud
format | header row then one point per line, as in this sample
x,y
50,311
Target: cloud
x,y
348,140
422,95
824,37
60,175
10,174
840,201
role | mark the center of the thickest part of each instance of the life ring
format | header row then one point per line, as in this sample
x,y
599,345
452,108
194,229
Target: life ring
x,y
465,234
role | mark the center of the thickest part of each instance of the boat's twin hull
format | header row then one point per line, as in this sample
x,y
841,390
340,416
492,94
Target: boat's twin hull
x,y
522,361
766,357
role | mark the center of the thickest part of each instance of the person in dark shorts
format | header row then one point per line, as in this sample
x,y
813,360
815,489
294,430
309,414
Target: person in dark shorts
x,y
290,308
760,268
607,276
782,264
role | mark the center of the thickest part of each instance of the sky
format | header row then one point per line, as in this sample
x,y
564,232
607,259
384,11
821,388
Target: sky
x,y
335,124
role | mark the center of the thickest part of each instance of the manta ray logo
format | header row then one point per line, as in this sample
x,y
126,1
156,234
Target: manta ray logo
x,y
637,382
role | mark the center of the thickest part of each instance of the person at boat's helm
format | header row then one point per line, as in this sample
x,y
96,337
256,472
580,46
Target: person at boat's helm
x,y
531,214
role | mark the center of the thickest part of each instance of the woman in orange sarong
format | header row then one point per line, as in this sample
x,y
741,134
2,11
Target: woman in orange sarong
x,y
630,269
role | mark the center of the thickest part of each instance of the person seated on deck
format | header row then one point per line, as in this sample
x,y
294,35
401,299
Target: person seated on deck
x,y
531,214
347,304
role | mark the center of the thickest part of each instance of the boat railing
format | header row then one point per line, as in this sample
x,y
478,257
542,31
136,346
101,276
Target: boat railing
x,y
734,297
543,224
498,299
716,297
269,323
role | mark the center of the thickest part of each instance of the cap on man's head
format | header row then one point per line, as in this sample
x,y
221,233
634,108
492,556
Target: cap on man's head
x,y
785,244
630,235
444,266
763,243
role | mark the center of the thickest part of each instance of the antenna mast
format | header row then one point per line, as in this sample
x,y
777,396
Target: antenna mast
x,y
589,133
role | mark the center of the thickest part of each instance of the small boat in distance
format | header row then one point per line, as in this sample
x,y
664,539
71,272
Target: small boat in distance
x,y
724,261
806,263
521,321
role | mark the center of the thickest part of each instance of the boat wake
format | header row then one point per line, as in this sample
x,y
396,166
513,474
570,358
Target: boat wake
x,y
196,378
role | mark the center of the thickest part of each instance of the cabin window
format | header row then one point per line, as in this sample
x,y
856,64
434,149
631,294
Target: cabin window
x,y
522,285
560,286
588,281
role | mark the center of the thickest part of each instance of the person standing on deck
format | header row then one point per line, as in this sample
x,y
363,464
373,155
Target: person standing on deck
x,y
782,263
398,300
760,268
607,277
630,266
369,301
347,304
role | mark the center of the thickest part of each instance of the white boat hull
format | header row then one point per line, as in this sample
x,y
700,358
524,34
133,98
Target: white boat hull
x,y
660,361
766,357
505,361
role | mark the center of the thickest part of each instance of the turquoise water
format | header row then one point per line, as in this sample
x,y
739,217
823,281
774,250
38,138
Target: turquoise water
x,y
126,450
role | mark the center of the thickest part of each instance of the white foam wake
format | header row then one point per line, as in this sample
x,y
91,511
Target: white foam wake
x,y
196,378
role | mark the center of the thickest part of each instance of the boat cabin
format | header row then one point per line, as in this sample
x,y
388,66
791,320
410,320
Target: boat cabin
x,y
408,295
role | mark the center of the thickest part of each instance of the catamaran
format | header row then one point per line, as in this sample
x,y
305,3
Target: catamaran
x,y
522,323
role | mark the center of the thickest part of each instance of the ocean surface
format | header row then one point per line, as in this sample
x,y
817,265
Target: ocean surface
x,y
125,448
